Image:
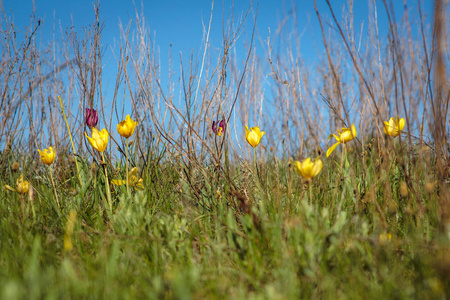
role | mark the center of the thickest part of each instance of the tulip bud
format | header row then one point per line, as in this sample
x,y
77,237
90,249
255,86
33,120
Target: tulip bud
x,y
91,117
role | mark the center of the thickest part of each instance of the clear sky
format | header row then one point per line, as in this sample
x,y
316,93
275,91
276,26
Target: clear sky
x,y
179,23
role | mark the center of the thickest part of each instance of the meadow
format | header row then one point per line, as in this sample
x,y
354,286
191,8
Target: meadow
x,y
162,191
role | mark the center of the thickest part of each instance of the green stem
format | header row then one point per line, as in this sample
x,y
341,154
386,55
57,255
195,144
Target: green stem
x,y
108,190
128,191
254,158
54,187
256,163
310,192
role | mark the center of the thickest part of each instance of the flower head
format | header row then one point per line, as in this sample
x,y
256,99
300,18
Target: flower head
x,y
22,186
91,117
308,169
384,238
133,180
219,130
126,127
394,126
47,156
344,135
99,139
253,135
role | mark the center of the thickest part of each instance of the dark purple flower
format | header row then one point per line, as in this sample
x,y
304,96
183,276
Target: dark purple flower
x,y
219,130
91,117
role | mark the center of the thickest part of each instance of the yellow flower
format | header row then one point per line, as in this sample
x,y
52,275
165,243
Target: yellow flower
x,y
47,156
253,135
384,238
132,180
22,186
345,135
99,139
126,127
307,168
394,126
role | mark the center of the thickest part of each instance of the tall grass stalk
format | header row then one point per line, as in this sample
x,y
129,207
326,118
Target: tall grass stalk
x,y
71,140
126,163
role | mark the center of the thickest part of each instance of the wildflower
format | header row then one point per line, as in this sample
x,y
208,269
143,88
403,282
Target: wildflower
x,y
384,238
253,135
132,180
308,169
22,186
345,135
394,126
126,127
91,117
99,139
219,130
47,155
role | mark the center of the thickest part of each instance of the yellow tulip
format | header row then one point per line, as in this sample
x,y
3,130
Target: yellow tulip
x,y
47,156
132,180
345,135
126,127
394,126
22,186
99,139
253,135
308,169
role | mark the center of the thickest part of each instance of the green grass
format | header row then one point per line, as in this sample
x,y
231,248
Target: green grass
x,y
252,238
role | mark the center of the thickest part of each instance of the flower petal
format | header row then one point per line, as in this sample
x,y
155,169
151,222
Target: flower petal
x,y
118,182
333,135
318,165
7,187
332,148
354,132
401,124
298,167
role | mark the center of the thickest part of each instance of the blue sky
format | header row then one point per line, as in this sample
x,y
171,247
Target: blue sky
x,y
178,23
